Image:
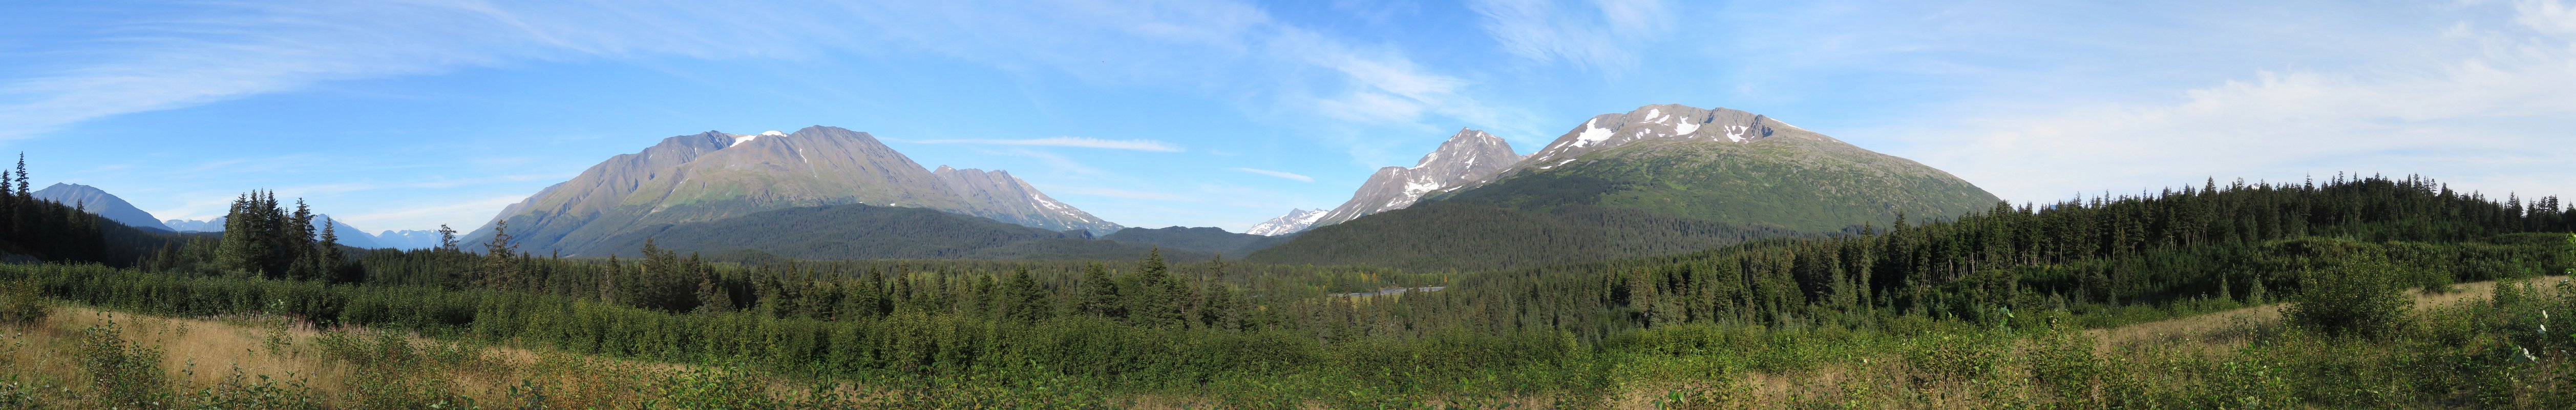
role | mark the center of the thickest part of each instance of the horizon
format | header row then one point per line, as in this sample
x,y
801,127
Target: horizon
x,y
1227,114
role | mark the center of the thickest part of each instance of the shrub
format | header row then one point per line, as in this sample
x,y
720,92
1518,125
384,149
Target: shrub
x,y
2357,298
20,303
124,374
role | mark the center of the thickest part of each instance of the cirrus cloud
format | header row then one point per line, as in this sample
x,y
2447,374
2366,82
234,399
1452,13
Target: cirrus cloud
x,y
1078,142
1299,178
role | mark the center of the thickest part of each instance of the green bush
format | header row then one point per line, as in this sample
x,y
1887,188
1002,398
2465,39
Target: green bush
x,y
20,303
122,373
2363,298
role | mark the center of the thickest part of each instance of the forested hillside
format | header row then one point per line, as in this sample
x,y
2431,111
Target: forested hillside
x,y
1249,334
1453,235
34,229
859,231
1205,240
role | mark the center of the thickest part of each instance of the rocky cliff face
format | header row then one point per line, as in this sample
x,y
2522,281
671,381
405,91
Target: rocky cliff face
x,y
714,175
1467,159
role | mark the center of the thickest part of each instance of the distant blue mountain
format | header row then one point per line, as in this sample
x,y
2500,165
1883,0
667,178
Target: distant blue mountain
x,y
349,235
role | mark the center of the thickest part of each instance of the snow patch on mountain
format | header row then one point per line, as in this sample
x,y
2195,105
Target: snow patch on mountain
x,y
1297,220
1593,134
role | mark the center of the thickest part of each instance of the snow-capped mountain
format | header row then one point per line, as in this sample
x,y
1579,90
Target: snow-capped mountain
x,y
1658,180
1297,220
1665,121
714,175
1469,158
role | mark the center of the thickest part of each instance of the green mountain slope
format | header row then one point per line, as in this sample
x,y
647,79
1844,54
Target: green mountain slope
x,y
1201,239
858,231
1791,184
1662,179
1475,236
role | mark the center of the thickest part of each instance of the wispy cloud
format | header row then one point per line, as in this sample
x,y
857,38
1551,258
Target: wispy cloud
x,y
1223,49
1598,37
1299,178
1080,142
2491,114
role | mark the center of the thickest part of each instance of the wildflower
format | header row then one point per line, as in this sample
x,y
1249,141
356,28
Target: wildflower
x,y
2526,355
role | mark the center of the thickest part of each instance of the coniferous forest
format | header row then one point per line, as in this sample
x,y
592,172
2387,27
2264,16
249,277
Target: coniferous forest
x,y
2115,301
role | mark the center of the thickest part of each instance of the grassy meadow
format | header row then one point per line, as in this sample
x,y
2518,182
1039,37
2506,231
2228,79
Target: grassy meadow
x,y
2469,345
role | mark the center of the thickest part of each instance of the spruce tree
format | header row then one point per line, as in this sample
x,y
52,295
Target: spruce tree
x,y
23,192
1023,301
1157,297
712,297
447,238
8,207
1098,295
245,249
496,271
332,261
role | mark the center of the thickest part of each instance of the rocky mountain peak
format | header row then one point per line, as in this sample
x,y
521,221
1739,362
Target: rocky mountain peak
x,y
1663,121
1468,158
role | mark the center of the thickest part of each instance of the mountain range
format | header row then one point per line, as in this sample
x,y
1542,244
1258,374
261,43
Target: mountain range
x,y
714,176
99,201
1660,179
349,235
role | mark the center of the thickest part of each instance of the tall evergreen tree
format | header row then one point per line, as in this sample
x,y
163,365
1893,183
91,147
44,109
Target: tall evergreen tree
x,y
1156,298
496,271
1098,294
447,238
1023,300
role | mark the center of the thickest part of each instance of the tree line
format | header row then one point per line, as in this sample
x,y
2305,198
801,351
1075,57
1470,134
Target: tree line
x,y
2116,258
2093,261
33,229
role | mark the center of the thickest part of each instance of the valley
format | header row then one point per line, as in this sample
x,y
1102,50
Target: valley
x,y
1667,257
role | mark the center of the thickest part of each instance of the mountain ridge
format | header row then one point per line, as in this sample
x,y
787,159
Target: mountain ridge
x,y
1297,220
98,201
1468,158
713,175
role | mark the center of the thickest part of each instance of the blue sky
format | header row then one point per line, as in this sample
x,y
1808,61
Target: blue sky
x,y
410,114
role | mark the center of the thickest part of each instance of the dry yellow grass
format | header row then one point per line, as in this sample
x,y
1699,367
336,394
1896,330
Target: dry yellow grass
x,y
201,352
2227,329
